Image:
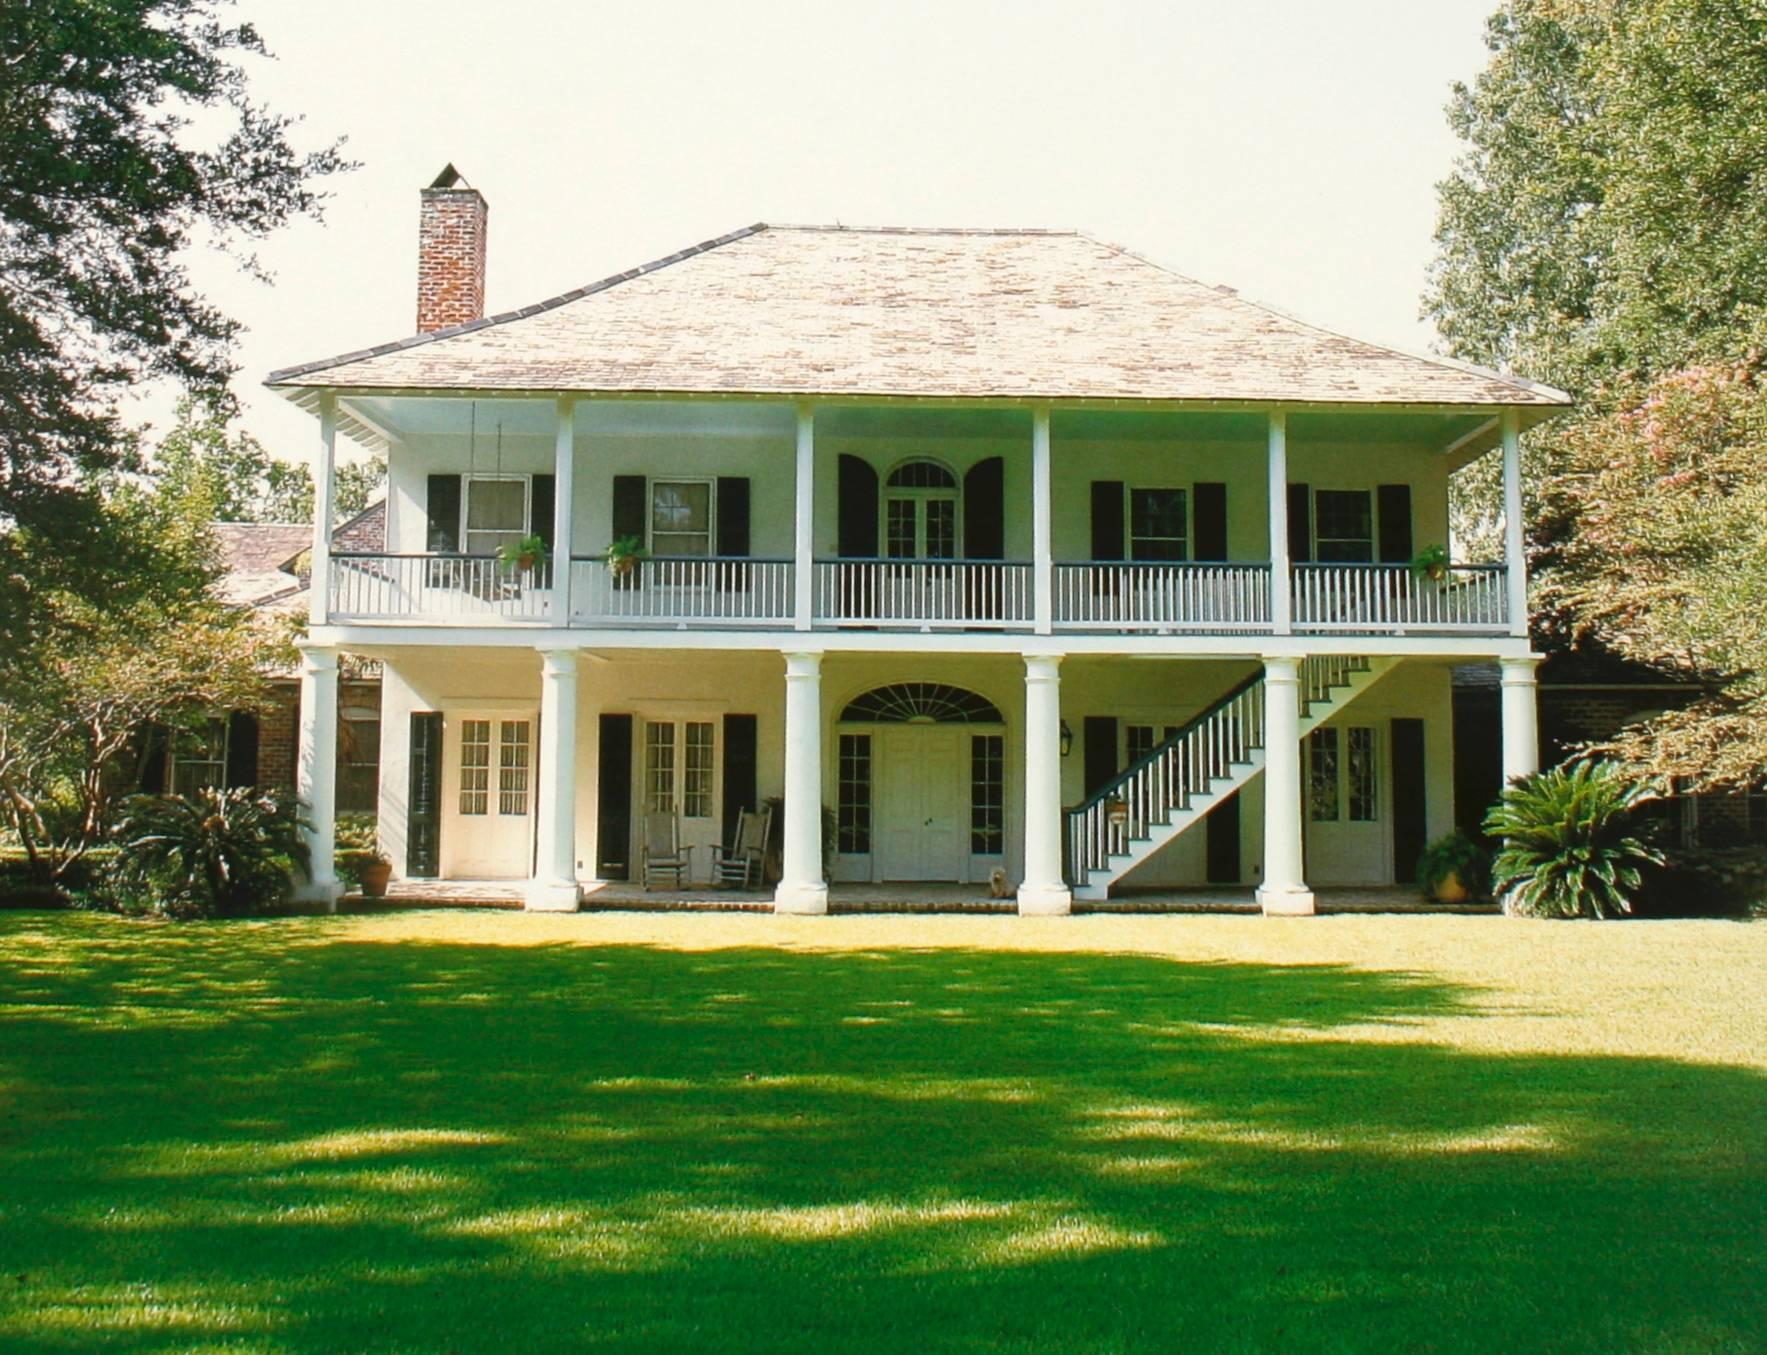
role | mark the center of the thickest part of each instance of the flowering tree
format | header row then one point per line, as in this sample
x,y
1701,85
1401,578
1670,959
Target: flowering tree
x,y
1668,560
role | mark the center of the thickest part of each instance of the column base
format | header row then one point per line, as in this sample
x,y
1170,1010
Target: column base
x,y
1044,900
323,892
808,897
1285,901
553,896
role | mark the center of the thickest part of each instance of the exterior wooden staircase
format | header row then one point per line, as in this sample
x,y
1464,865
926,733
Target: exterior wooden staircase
x,y
1185,776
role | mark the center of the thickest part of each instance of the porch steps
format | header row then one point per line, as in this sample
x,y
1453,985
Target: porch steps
x,y
1181,779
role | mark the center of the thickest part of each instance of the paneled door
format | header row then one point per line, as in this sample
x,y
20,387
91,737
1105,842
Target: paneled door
x,y
489,796
922,802
678,774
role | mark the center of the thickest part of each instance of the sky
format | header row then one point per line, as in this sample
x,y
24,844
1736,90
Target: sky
x,y
1288,148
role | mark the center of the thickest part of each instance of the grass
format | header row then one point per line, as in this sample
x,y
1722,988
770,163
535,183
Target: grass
x,y
461,1131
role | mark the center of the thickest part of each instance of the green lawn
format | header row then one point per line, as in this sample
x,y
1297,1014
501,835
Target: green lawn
x,y
446,1131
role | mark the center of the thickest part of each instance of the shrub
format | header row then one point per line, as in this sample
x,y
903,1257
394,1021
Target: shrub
x,y
1567,846
1458,855
219,853
1706,882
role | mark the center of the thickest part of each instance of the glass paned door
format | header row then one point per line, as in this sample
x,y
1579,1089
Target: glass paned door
x,y
680,777
488,833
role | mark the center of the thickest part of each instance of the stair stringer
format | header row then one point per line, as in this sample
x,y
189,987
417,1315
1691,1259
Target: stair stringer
x,y
1096,887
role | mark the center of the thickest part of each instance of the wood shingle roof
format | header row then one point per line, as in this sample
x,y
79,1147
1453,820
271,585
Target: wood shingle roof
x,y
839,311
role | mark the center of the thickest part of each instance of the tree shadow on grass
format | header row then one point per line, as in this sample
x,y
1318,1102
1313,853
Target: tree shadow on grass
x,y
213,1138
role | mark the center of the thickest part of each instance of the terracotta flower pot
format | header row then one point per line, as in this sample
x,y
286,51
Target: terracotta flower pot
x,y
621,565
1449,889
374,877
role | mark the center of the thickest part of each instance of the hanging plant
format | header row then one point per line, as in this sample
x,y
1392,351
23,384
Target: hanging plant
x,y
623,556
1430,563
525,556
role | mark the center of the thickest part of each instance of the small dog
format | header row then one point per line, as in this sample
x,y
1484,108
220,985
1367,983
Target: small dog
x,y
997,883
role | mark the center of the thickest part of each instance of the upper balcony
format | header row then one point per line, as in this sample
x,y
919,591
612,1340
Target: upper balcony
x,y
769,516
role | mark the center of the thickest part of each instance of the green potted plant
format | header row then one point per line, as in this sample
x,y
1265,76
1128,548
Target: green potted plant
x,y
524,556
1452,868
1430,563
624,554
368,870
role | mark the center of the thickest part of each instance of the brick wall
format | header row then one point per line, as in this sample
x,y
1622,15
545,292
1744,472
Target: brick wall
x,y
278,729
450,257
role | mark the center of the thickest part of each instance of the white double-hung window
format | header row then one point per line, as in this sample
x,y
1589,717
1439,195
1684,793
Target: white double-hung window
x,y
681,517
496,512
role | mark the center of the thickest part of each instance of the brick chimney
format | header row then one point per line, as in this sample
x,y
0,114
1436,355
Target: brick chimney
x,y
450,253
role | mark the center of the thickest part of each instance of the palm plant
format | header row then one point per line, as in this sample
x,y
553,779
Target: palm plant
x,y
1568,849
219,852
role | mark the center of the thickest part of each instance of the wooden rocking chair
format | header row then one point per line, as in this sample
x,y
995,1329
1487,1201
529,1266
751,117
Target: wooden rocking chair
x,y
739,865
661,855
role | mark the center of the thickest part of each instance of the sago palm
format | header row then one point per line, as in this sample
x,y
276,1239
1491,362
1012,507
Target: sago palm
x,y
217,852
1568,847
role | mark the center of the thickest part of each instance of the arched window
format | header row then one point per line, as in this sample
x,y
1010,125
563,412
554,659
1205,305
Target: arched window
x,y
922,703
920,512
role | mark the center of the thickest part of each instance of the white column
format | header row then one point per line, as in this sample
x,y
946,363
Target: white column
x,y
324,496
554,886
1281,587
1043,891
316,772
564,467
1283,891
1042,550
803,555
802,888
1521,721
1515,555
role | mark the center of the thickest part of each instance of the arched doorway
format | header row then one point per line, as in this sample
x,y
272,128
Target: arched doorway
x,y
921,782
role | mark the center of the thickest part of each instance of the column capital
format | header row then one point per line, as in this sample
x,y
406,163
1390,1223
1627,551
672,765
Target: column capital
x,y
558,662
317,658
802,662
1520,669
1282,668
1043,667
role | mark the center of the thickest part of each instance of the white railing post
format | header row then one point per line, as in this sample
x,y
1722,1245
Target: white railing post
x,y
324,496
1042,552
564,465
806,517
1515,559
1277,477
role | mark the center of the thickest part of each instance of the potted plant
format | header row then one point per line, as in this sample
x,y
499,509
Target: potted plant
x,y
367,869
623,556
1430,563
1452,868
524,556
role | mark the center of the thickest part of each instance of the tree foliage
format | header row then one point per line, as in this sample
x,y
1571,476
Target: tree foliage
x,y
130,137
205,453
86,680
1668,562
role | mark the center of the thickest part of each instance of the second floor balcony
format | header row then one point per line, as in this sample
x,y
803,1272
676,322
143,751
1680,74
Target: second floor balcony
x,y
1100,597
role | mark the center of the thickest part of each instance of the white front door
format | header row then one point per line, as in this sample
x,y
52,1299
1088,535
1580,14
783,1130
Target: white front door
x,y
1347,834
922,803
488,785
678,774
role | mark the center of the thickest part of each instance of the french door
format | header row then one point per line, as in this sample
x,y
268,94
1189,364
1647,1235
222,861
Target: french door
x,y
489,796
920,527
679,775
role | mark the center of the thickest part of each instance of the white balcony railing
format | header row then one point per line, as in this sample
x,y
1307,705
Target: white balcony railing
x,y
1382,599
924,594
683,591
1111,596
471,589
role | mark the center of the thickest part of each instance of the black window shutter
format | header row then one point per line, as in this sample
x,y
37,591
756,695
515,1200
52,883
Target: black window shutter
x,y
740,749
1209,503
628,507
1300,524
613,799
242,749
733,515
542,505
1410,817
423,813
1100,752
1221,848
1393,503
444,513
1107,520
857,493
984,510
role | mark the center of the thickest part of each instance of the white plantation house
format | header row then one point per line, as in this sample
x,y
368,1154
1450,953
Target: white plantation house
x,y
1013,549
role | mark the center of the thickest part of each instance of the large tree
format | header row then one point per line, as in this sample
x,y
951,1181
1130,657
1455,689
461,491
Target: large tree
x,y
128,136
